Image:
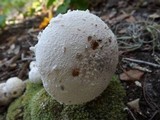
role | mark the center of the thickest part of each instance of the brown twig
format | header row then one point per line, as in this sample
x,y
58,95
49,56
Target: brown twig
x,y
13,59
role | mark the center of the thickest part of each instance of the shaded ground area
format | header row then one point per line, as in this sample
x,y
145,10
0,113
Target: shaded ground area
x,y
14,48
136,25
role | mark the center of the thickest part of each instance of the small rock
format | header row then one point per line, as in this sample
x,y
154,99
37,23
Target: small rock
x,y
134,105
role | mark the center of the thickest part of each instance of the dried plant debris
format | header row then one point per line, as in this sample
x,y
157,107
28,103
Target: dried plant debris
x,y
150,101
14,48
156,58
136,35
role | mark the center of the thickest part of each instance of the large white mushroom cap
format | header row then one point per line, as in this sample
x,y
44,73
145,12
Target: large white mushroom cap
x,y
76,55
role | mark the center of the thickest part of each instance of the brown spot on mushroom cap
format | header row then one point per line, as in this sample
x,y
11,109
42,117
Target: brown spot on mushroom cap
x,y
79,56
5,94
99,40
94,44
109,39
89,38
75,72
14,92
64,49
78,29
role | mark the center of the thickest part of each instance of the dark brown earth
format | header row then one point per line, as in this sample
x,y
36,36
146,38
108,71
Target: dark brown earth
x,y
15,55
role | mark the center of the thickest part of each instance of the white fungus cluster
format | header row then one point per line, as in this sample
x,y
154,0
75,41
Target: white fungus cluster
x,y
11,89
34,75
76,56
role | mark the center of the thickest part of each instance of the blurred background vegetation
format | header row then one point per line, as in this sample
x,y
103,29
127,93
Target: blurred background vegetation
x,y
13,11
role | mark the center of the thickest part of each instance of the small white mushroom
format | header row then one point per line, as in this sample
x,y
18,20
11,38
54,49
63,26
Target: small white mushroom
x,y
2,85
32,49
34,75
4,99
76,56
14,87
32,64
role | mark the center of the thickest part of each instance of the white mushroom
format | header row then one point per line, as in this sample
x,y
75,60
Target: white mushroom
x,y
2,86
14,87
32,64
76,56
32,49
4,100
34,75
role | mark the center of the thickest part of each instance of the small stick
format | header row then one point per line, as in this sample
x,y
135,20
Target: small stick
x,y
27,59
142,62
130,112
13,59
138,67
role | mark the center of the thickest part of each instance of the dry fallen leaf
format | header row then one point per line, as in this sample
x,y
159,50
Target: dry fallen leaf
x,y
131,75
44,23
131,19
119,18
46,20
105,17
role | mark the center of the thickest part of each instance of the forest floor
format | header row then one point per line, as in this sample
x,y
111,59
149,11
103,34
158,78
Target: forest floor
x,y
137,27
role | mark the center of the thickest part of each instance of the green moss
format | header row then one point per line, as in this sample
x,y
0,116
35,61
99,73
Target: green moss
x,y
42,103
40,106
20,108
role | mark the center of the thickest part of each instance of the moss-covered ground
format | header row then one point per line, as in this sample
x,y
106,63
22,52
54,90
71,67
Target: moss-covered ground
x,y
36,104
